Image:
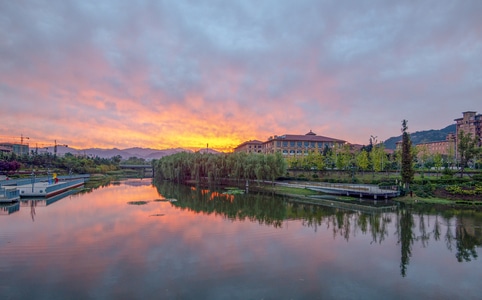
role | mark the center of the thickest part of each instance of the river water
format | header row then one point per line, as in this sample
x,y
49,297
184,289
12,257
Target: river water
x,y
132,240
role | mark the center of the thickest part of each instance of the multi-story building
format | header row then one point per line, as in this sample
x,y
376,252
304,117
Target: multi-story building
x,y
291,144
18,149
471,122
253,146
445,148
294,144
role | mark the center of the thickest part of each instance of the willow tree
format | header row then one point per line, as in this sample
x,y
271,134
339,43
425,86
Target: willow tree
x,y
407,156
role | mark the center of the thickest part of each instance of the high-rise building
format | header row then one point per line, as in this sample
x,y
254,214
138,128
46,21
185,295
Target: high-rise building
x,y
18,149
471,122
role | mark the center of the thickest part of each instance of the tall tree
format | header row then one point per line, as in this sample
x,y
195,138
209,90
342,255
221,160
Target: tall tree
x,y
407,156
362,160
438,162
467,149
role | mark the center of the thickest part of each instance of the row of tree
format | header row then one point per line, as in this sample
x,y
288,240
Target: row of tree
x,y
212,168
375,158
10,163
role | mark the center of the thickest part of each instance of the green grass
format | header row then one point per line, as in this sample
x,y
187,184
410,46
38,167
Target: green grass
x,y
430,200
295,191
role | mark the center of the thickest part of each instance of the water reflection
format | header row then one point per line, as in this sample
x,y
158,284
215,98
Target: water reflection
x,y
463,233
211,245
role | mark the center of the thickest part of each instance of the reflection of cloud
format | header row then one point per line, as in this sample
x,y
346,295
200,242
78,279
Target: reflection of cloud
x,y
186,74
94,245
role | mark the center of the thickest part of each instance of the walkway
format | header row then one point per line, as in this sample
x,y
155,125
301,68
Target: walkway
x,y
358,190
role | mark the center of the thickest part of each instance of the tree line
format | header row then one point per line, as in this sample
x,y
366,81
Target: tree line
x,y
11,163
213,168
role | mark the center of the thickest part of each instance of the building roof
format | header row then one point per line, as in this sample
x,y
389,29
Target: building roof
x,y
310,136
255,142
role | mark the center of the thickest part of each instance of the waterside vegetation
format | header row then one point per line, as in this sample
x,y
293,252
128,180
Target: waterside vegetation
x,y
421,179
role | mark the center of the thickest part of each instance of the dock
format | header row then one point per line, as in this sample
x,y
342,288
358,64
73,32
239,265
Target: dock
x,y
357,190
47,189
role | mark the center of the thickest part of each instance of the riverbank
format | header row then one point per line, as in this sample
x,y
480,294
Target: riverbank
x,y
467,203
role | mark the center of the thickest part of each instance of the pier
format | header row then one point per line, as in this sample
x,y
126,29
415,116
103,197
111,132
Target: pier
x,y
356,190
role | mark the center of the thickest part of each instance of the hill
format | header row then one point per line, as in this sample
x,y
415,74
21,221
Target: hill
x,y
425,136
146,153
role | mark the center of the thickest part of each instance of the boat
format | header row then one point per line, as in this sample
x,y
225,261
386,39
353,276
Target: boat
x,y
48,189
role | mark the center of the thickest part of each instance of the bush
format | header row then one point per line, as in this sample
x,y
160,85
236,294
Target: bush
x,y
477,177
464,190
423,191
448,173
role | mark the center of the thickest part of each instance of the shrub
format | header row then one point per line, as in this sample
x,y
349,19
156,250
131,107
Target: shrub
x,y
463,190
423,191
477,177
448,173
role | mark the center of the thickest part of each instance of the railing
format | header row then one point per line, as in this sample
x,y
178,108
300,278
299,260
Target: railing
x,y
7,193
63,185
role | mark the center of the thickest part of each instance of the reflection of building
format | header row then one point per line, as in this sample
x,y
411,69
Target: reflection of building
x,y
468,232
250,147
471,122
291,144
18,149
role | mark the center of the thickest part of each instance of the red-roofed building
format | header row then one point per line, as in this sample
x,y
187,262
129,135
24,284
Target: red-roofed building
x,y
254,146
292,144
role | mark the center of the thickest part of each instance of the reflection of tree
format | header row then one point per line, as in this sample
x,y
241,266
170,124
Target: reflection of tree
x,y
424,235
405,238
269,209
32,209
254,207
465,245
466,241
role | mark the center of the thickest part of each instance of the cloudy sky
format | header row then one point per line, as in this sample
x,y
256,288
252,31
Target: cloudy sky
x,y
166,74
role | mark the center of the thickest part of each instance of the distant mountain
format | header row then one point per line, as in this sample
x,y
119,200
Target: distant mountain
x,y
425,136
146,153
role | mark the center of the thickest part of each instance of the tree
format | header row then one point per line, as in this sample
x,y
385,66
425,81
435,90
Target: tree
x,y
377,156
407,156
438,162
362,160
423,157
467,149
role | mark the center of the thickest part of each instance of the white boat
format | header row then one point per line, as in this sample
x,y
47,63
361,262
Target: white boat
x,y
47,189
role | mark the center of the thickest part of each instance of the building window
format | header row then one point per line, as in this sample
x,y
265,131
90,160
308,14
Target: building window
x,y
292,143
285,144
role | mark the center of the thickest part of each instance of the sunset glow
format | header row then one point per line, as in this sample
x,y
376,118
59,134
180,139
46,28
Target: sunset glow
x,y
214,74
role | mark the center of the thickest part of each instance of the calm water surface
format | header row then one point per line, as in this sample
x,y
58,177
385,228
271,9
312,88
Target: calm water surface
x,y
107,245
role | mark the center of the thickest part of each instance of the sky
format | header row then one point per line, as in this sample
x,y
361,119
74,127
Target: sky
x,y
167,74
